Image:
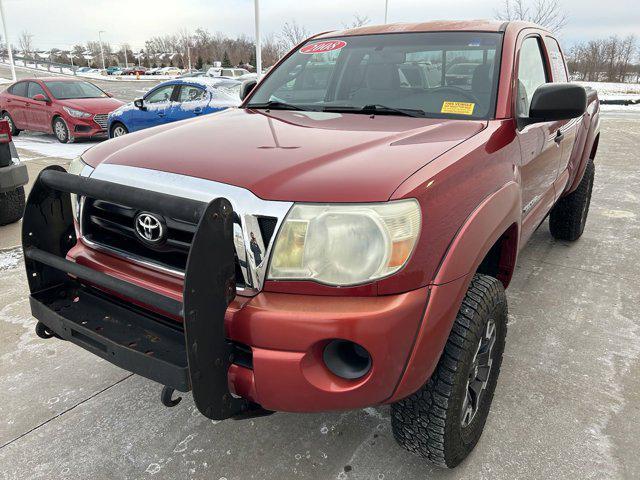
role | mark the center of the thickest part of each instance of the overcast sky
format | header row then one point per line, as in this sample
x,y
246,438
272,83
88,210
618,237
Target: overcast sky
x,y
61,23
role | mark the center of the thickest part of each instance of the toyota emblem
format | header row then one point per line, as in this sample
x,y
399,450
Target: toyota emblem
x,y
150,229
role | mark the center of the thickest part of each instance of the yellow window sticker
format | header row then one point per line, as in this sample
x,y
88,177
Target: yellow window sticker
x,y
459,108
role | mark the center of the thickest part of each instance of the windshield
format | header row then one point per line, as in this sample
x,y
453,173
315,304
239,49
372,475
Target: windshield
x,y
64,90
399,73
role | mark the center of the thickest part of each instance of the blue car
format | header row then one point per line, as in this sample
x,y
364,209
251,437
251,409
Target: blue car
x,y
174,100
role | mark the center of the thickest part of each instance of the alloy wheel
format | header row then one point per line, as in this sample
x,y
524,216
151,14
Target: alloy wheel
x,y
61,131
479,374
119,131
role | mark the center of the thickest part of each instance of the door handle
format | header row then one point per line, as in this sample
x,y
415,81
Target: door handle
x,y
197,110
559,137
161,114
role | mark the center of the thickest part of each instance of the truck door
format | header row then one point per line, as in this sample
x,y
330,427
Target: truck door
x,y
568,129
539,145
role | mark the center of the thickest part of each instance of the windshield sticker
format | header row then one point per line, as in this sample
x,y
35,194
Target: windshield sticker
x,y
323,47
458,108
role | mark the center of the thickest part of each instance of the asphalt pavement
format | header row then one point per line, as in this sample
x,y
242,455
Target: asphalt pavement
x,y
567,403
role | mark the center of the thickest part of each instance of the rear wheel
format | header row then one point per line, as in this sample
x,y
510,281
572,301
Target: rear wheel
x,y
61,131
569,216
11,206
443,420
118,130
12,126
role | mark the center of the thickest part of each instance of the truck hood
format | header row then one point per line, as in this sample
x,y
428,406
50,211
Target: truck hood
x,y
292,155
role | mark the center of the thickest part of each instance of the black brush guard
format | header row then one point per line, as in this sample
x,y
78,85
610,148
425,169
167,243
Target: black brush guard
x,y
64,297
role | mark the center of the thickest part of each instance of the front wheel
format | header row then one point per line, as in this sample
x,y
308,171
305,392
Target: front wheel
x,y
443,421
118,130
61,131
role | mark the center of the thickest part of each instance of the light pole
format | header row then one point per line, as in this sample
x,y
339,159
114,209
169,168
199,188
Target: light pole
x,y
258,42
126,60
101,49
189,56
6,36
386,10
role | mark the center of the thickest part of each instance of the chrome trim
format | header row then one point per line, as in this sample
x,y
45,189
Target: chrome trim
x,y
245,204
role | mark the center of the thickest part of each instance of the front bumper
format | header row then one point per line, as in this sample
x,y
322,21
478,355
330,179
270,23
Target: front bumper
x,y
286,334
267,348
85,127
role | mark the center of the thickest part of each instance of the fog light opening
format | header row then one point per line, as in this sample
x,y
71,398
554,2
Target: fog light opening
x,y
346,359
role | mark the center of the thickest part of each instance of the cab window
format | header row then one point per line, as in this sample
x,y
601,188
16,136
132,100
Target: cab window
x,y
160,95
531,73
556,60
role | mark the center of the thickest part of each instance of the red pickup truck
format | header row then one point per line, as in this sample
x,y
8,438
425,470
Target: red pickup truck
x,y
343,239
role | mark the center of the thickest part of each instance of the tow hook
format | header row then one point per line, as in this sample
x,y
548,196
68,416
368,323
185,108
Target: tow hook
x,y
43,332
165,397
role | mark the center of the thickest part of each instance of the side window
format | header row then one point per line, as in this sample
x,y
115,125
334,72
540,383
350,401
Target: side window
x,y
189,93
162,94
531,74
35,89
19,89
557,61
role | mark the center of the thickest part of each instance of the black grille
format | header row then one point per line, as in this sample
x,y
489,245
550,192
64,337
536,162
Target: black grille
x,y
112,225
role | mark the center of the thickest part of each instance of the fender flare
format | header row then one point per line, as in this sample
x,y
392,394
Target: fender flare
x,y
587,152
486,224
495,215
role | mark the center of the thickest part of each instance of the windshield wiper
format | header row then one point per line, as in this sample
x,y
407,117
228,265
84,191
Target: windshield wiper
x,y
377,109
276,105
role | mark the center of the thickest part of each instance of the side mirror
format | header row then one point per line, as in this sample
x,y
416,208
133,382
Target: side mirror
x,y
139,103
246,88
557,101
40,98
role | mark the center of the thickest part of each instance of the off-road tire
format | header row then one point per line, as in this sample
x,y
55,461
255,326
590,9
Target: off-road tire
x,y
429,423
569,216
11,206
12,126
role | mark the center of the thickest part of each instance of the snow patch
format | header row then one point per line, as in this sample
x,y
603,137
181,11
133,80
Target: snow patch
x,y
48,146
10,259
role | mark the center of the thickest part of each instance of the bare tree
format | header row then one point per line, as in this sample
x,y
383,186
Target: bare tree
x,y
272,50
292,34
543,12
608,59
25,43
357,21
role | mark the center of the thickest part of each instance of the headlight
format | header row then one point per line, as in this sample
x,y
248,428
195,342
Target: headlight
x,y
76,113
76,167
345,244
